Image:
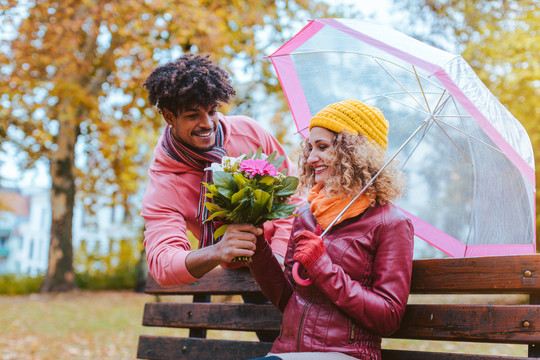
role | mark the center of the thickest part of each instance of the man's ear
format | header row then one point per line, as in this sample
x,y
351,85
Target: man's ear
x,y
168,116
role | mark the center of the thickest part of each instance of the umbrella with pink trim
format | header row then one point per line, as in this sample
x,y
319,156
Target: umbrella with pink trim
x,y
468,160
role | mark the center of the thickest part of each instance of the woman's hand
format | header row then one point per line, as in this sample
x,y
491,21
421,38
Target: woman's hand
x,y
309,248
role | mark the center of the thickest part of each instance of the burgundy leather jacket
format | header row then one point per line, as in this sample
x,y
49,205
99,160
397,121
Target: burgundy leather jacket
x,y
360,285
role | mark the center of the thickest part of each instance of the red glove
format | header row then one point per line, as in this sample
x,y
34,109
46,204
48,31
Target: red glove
x,y
309,248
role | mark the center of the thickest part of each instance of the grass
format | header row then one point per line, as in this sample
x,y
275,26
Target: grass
x,y
77,325
107,324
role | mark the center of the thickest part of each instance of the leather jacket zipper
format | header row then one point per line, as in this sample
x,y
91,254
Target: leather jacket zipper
x,y
351,337
302,319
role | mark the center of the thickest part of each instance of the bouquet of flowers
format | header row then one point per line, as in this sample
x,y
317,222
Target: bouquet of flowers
x,y
249,190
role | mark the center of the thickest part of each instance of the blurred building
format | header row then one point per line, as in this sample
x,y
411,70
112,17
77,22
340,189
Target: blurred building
x,y
25,229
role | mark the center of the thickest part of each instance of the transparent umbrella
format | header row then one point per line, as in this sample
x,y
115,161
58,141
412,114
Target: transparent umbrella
x,y
469,162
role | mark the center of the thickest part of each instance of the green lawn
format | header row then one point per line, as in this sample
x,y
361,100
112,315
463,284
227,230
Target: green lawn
x,y
106,325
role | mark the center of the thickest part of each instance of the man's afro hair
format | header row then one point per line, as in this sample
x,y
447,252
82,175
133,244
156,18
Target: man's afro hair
x,y
192,80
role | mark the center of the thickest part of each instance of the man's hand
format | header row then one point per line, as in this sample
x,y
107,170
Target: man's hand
x,y
238,240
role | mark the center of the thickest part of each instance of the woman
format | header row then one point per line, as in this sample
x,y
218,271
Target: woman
x,y
361,270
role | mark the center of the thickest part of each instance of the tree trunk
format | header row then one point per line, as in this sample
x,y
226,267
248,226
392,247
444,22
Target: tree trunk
x,y
60,274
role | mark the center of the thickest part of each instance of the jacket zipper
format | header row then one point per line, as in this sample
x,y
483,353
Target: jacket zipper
x,y
351,338
302,319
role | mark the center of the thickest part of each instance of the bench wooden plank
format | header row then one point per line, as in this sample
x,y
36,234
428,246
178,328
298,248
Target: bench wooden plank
x,y
170,348
219,281
511,324
245,317
493,323
425,355
493,274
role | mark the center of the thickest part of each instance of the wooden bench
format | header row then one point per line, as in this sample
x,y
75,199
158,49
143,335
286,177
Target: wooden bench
x,y
504,324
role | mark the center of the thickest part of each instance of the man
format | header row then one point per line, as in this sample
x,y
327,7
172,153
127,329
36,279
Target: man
x,y
188,92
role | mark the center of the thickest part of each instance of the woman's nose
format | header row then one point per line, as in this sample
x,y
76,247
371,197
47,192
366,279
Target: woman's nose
x,y
312,158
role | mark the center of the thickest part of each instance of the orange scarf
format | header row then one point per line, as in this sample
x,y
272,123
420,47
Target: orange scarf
x,y
326,209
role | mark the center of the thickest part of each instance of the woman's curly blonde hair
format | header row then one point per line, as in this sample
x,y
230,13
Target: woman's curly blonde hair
x,y
352,162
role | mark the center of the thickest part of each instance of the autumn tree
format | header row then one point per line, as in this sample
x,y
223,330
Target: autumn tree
x,y
500,40
71,75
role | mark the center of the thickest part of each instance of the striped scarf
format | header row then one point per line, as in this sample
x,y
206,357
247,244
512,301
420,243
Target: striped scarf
x,y
198,160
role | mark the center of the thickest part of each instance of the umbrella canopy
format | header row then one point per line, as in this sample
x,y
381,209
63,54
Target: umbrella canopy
x,y
469,162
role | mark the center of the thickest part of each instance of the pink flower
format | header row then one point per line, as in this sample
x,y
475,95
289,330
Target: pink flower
x,y
257,166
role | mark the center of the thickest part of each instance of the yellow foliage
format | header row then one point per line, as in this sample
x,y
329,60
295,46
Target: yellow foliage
x,y
80,66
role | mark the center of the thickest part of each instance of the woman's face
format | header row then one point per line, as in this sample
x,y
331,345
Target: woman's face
x,y
319,142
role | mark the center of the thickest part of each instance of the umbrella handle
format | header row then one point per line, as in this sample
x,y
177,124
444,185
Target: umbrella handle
x,y
296,275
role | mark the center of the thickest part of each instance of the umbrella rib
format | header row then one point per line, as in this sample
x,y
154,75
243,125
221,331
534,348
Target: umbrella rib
x,y
467,134
396,80
401,93
439,101
422,110
426,130
421,88
438,109
453,142
471,136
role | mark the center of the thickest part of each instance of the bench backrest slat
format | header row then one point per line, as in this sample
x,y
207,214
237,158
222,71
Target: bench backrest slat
x,y
217,282
247,317
494,274
424,355
485,323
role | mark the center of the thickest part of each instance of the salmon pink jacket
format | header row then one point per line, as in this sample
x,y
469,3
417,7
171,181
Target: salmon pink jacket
x,y
172,196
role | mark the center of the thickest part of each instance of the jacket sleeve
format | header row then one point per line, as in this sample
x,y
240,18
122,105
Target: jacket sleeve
x,y
276,285
281,227
165,236
381,308
268,274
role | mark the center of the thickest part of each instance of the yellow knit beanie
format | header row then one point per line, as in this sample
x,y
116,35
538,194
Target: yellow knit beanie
x,y
353,116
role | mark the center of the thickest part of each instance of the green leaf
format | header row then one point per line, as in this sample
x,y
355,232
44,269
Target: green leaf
x,y
266,180
225,183
212,207
241,180
277,163
240,196
261,200
288,186
220,231
258,155
284,171
280,211
222,201
271,157
220,214
210,187
241,213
